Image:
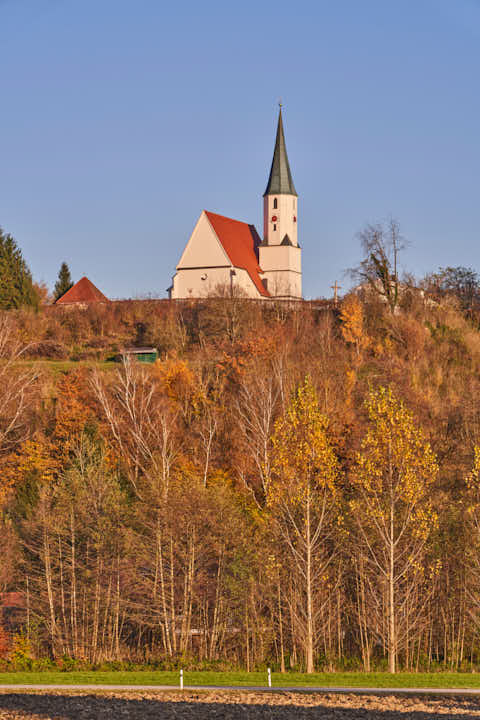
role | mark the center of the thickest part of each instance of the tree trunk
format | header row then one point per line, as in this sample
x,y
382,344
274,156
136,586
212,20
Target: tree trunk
x,y
73,595
392,649
280,625
48,580
309,637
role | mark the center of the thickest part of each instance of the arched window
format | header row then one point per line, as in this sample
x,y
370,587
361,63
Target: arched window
x,y
275,204
274,227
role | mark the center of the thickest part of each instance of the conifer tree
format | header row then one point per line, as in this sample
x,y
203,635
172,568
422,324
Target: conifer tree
x,y
64,281
16,285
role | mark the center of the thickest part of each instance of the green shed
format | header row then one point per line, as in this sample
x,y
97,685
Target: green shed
x,y
142,354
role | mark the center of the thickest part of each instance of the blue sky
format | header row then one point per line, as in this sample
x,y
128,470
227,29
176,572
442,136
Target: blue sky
x,y
122,119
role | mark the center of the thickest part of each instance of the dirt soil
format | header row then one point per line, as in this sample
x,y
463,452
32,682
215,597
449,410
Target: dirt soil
x,y
229,705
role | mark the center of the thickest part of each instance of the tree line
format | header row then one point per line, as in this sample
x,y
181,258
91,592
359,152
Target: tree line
x,y
291,485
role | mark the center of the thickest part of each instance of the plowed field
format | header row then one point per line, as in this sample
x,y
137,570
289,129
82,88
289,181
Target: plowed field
x,y
228,705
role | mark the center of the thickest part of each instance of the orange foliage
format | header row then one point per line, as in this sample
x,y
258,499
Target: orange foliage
x,y
74,409
4,642
8,475
352,323
175,376
35,456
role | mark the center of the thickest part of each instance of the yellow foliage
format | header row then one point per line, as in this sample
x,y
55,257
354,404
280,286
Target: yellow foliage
x,y
303,460
351,315
473,477
38,457
396,466
176,377
34,457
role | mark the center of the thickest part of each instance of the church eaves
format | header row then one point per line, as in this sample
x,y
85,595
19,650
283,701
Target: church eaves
x,y
280,181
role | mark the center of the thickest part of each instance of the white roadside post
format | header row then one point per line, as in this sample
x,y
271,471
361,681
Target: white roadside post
x,y
181,679
269,672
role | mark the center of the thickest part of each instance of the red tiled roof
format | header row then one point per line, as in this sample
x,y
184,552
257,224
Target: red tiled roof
x,y
240,241
83,291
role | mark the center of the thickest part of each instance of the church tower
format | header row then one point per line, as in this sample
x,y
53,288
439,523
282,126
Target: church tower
x,y
279,253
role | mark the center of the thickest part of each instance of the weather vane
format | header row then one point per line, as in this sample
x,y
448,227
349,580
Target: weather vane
x,y
280,104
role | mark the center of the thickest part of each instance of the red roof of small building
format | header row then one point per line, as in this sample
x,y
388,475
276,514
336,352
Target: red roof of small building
x,y
240,241
83,291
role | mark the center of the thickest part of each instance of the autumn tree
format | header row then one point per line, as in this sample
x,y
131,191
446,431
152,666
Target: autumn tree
x,y
256,408
471,501
353,331
16,384
74,556
302,494
140,408
17,400
188,548
394,517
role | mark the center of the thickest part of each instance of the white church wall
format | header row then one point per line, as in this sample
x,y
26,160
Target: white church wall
x,y
284,284
280,257
207,281
282,268
203,248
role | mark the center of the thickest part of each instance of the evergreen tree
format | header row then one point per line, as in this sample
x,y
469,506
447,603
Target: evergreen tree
x,y
16,285
64,281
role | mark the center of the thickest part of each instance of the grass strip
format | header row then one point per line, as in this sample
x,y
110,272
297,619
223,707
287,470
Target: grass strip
x,y
147,677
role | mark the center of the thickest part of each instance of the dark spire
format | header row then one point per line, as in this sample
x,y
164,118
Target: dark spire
x,y
280,181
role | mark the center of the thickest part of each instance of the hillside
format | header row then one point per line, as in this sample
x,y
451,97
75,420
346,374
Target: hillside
x,y
152,512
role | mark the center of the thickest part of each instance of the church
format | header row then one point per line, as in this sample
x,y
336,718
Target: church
x,y
227,257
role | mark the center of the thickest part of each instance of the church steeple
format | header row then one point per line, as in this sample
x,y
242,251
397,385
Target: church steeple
x,y
280,181
279,253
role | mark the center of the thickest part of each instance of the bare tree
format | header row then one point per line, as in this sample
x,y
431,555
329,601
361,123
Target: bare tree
x,y
142,421
207,430
381,245
77,578
16,384
257,406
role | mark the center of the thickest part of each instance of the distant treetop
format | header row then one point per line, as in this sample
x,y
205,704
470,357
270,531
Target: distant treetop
x,y
463,282
16,284
64,281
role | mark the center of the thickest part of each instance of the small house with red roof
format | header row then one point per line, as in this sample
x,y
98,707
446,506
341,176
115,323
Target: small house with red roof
x,y
226,256
82,294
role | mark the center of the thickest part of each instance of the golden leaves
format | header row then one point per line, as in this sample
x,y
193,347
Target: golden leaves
x,y
175,376
396,466
303,461
351,315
